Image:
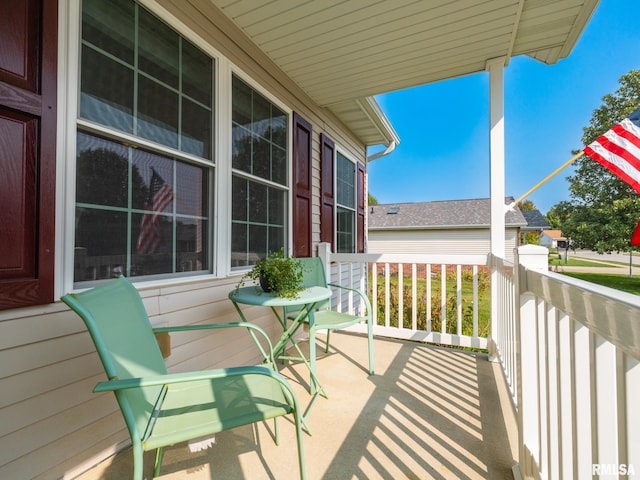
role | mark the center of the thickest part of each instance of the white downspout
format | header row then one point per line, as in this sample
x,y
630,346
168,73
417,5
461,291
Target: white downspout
x,y
390,148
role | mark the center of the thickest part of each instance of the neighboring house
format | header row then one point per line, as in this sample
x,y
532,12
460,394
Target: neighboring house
x,y
451,226
176,142
553,239
535,223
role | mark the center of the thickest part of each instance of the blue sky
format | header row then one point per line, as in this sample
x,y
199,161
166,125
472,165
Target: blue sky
x,y
444,127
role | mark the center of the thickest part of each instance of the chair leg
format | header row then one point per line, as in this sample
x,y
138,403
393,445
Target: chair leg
x,y
326,347
370,341
138,461
156,468
298,422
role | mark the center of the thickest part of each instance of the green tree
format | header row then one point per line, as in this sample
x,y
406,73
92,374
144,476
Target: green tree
x,y
527,205
558,215
372,200
603,209
529,238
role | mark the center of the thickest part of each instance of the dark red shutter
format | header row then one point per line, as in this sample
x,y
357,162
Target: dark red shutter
x,y
28,36
327,194
361,208
301,187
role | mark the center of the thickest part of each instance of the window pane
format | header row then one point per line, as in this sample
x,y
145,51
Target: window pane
x,y
197,73
258,206
158,50
110,26
240,191
261,158
152,243
241,103
100,244
279,165
259,134
239,246
260,142
278,127
173,94
192,185
196,129
257,210
102,175
139,211
191,245
346,184
345,231
157,113
107,91
242,149
277,205
257,241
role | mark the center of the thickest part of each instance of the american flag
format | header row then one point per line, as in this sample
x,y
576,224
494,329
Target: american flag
x,y
619,151
160,197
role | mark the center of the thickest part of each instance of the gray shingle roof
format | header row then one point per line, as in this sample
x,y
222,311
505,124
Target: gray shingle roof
x,y
535,220
474,213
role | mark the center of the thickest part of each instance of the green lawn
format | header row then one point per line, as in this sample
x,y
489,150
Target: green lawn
x,y
573,262
484,294
619,282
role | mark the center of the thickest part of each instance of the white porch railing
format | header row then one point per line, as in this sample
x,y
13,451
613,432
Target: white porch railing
x,y
572,354
406,293
570,350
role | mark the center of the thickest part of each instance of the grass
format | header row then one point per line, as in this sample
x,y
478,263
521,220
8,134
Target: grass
x,y
619,282
573,262
484,293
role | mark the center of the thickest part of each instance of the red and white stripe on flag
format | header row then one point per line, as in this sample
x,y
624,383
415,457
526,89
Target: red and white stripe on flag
x,y
618,150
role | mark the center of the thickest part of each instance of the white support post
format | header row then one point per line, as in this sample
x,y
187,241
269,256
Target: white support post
x,y
527,365
495,67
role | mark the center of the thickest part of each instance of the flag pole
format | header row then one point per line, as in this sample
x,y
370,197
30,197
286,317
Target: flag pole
x,y
545,179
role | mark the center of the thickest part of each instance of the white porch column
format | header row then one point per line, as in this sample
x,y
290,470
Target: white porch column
x,y
495,67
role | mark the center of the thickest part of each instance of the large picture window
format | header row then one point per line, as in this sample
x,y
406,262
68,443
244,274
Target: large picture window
x,y
260,185
345,204
142,203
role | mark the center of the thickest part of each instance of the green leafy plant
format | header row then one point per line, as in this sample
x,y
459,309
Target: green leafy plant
x,y
276,274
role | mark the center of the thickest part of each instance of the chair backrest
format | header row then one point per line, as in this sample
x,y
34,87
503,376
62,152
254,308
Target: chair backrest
x,y
312,276
313,272
122,334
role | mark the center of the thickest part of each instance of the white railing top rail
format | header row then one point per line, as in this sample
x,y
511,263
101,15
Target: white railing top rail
x,y
411,258
612,314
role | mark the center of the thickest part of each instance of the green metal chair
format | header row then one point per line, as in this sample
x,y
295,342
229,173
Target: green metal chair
x,y
326,319
161,408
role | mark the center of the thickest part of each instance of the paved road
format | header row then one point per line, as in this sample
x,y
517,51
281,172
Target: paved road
x,y
619,268
616,257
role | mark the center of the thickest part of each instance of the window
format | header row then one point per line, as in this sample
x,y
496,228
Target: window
x,y
260,175
143,146
345,204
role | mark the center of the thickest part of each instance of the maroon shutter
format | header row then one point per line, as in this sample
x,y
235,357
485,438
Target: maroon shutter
x,y
301,187
360,212
327,194
28,35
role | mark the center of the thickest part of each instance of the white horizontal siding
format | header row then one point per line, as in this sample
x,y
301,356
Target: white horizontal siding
x,y
463,241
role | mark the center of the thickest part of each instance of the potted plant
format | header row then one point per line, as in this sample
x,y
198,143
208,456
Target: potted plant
x,y
276,274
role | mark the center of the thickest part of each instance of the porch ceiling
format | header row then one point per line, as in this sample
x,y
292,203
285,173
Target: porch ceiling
x,y
342,51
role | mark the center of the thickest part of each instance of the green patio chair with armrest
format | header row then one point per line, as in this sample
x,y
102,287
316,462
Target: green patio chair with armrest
x,y
161,408
327,319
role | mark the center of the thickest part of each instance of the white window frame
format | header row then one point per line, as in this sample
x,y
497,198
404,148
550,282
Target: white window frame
x,y
354,209
68,123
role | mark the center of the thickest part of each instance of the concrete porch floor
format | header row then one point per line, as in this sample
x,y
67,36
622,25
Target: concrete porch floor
x,y
428,413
